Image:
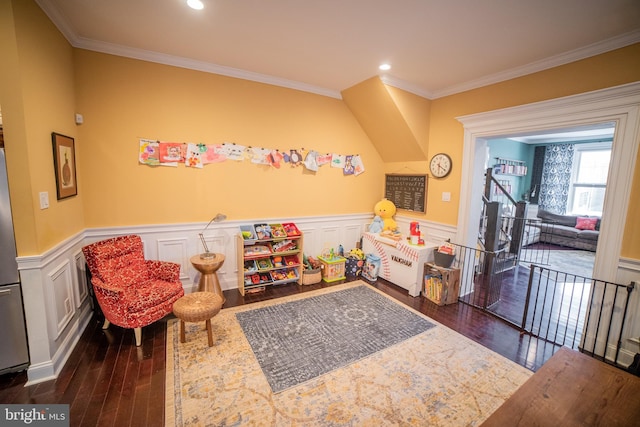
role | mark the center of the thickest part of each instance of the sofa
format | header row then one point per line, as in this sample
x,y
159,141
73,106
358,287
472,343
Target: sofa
x,y
579,232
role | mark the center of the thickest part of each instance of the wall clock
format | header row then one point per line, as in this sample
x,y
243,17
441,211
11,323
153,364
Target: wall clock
x,y
440,165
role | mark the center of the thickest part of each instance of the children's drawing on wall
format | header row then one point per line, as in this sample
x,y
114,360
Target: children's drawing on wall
x,y
338,160
295,157
233,151
275,157
258,156
149,152
348,165
172,153
196,155
323,159
193,156
358,165
310,162
211,153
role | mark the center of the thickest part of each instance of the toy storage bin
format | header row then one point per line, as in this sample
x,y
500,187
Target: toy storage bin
x,y
291,260
245,230
311,276
353,267
333,269
277,231
291,229
441,259
263,231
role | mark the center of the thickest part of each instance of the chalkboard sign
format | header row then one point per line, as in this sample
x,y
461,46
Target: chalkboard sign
x,y
407,192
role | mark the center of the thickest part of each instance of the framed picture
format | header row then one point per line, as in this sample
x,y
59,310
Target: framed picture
x,y
64,161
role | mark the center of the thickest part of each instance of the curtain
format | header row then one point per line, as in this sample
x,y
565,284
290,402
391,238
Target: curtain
x,y
556,178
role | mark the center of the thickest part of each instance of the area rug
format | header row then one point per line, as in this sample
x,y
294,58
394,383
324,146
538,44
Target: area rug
x,y
300,340
572,262
435,377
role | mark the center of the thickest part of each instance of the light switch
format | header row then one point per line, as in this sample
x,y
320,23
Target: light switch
x,y
44,200
446,196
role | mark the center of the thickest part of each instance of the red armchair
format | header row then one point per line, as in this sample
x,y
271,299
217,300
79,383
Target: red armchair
x,y
131,291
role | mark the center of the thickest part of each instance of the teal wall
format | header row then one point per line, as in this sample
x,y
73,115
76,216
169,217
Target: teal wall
x,y
513,150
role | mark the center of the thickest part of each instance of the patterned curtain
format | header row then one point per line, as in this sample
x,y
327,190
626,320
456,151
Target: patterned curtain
x,y
556,177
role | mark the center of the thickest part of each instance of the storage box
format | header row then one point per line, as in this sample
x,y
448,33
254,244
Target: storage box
x,y
354,267
333,269
311,276
263,231
441,259
291,229
277,231
250,266
291,260
264,264
285,245
248,234
401,264
441,285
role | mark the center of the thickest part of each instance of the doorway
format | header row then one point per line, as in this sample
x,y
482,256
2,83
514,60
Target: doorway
x,y
561,172
619,105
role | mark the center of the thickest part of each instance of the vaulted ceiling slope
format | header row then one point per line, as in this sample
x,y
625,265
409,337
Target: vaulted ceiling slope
x,y
435,47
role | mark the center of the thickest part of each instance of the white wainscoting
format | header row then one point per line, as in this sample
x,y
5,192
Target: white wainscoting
x,y
56,306
629,271
55,288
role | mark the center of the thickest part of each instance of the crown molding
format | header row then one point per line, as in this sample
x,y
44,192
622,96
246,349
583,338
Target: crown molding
x,y
545,64
207,67
401,84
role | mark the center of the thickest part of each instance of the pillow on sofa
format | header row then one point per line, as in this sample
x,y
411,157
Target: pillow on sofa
x,y
583,223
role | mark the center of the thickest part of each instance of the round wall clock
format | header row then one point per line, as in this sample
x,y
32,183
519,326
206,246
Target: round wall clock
x,y
440,165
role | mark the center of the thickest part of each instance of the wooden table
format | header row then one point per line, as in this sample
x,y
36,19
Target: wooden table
x,y
208,276
573,389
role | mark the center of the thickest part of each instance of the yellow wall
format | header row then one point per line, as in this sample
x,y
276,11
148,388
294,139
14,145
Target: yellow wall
x,y
37,97
123,100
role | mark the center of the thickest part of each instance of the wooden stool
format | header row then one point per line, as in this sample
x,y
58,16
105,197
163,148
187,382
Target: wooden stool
x,y
196,307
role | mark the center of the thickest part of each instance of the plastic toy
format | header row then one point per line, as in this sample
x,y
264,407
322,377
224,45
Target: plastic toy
x,y
415,236
385,209
377,225
356,253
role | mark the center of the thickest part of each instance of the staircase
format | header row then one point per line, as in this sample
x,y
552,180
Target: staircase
x,y
502,221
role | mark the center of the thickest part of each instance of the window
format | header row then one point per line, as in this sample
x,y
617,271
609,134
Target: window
x,y
589,178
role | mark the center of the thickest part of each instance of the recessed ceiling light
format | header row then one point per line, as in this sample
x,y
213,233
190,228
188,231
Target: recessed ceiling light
x,y
385,67
195,4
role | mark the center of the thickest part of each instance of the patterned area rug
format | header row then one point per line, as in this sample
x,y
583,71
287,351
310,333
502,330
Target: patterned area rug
x,y
437,377
300,340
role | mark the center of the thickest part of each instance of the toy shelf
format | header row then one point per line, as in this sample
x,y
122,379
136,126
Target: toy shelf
x,y
268,259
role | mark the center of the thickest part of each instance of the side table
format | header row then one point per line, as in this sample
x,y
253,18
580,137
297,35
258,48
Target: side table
x,y
208,277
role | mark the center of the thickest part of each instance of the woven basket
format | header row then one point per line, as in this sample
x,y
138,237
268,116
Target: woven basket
x,y
310,277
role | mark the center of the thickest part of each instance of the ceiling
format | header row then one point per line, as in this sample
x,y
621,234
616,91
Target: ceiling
x,y
435,47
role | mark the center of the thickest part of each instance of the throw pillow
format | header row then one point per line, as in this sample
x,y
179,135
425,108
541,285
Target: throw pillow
x,y
583,223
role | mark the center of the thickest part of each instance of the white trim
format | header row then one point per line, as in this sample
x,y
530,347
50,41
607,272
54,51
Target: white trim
x,y
594,49
620,104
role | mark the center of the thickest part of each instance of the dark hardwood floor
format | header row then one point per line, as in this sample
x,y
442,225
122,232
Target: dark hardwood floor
x,y
108,381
